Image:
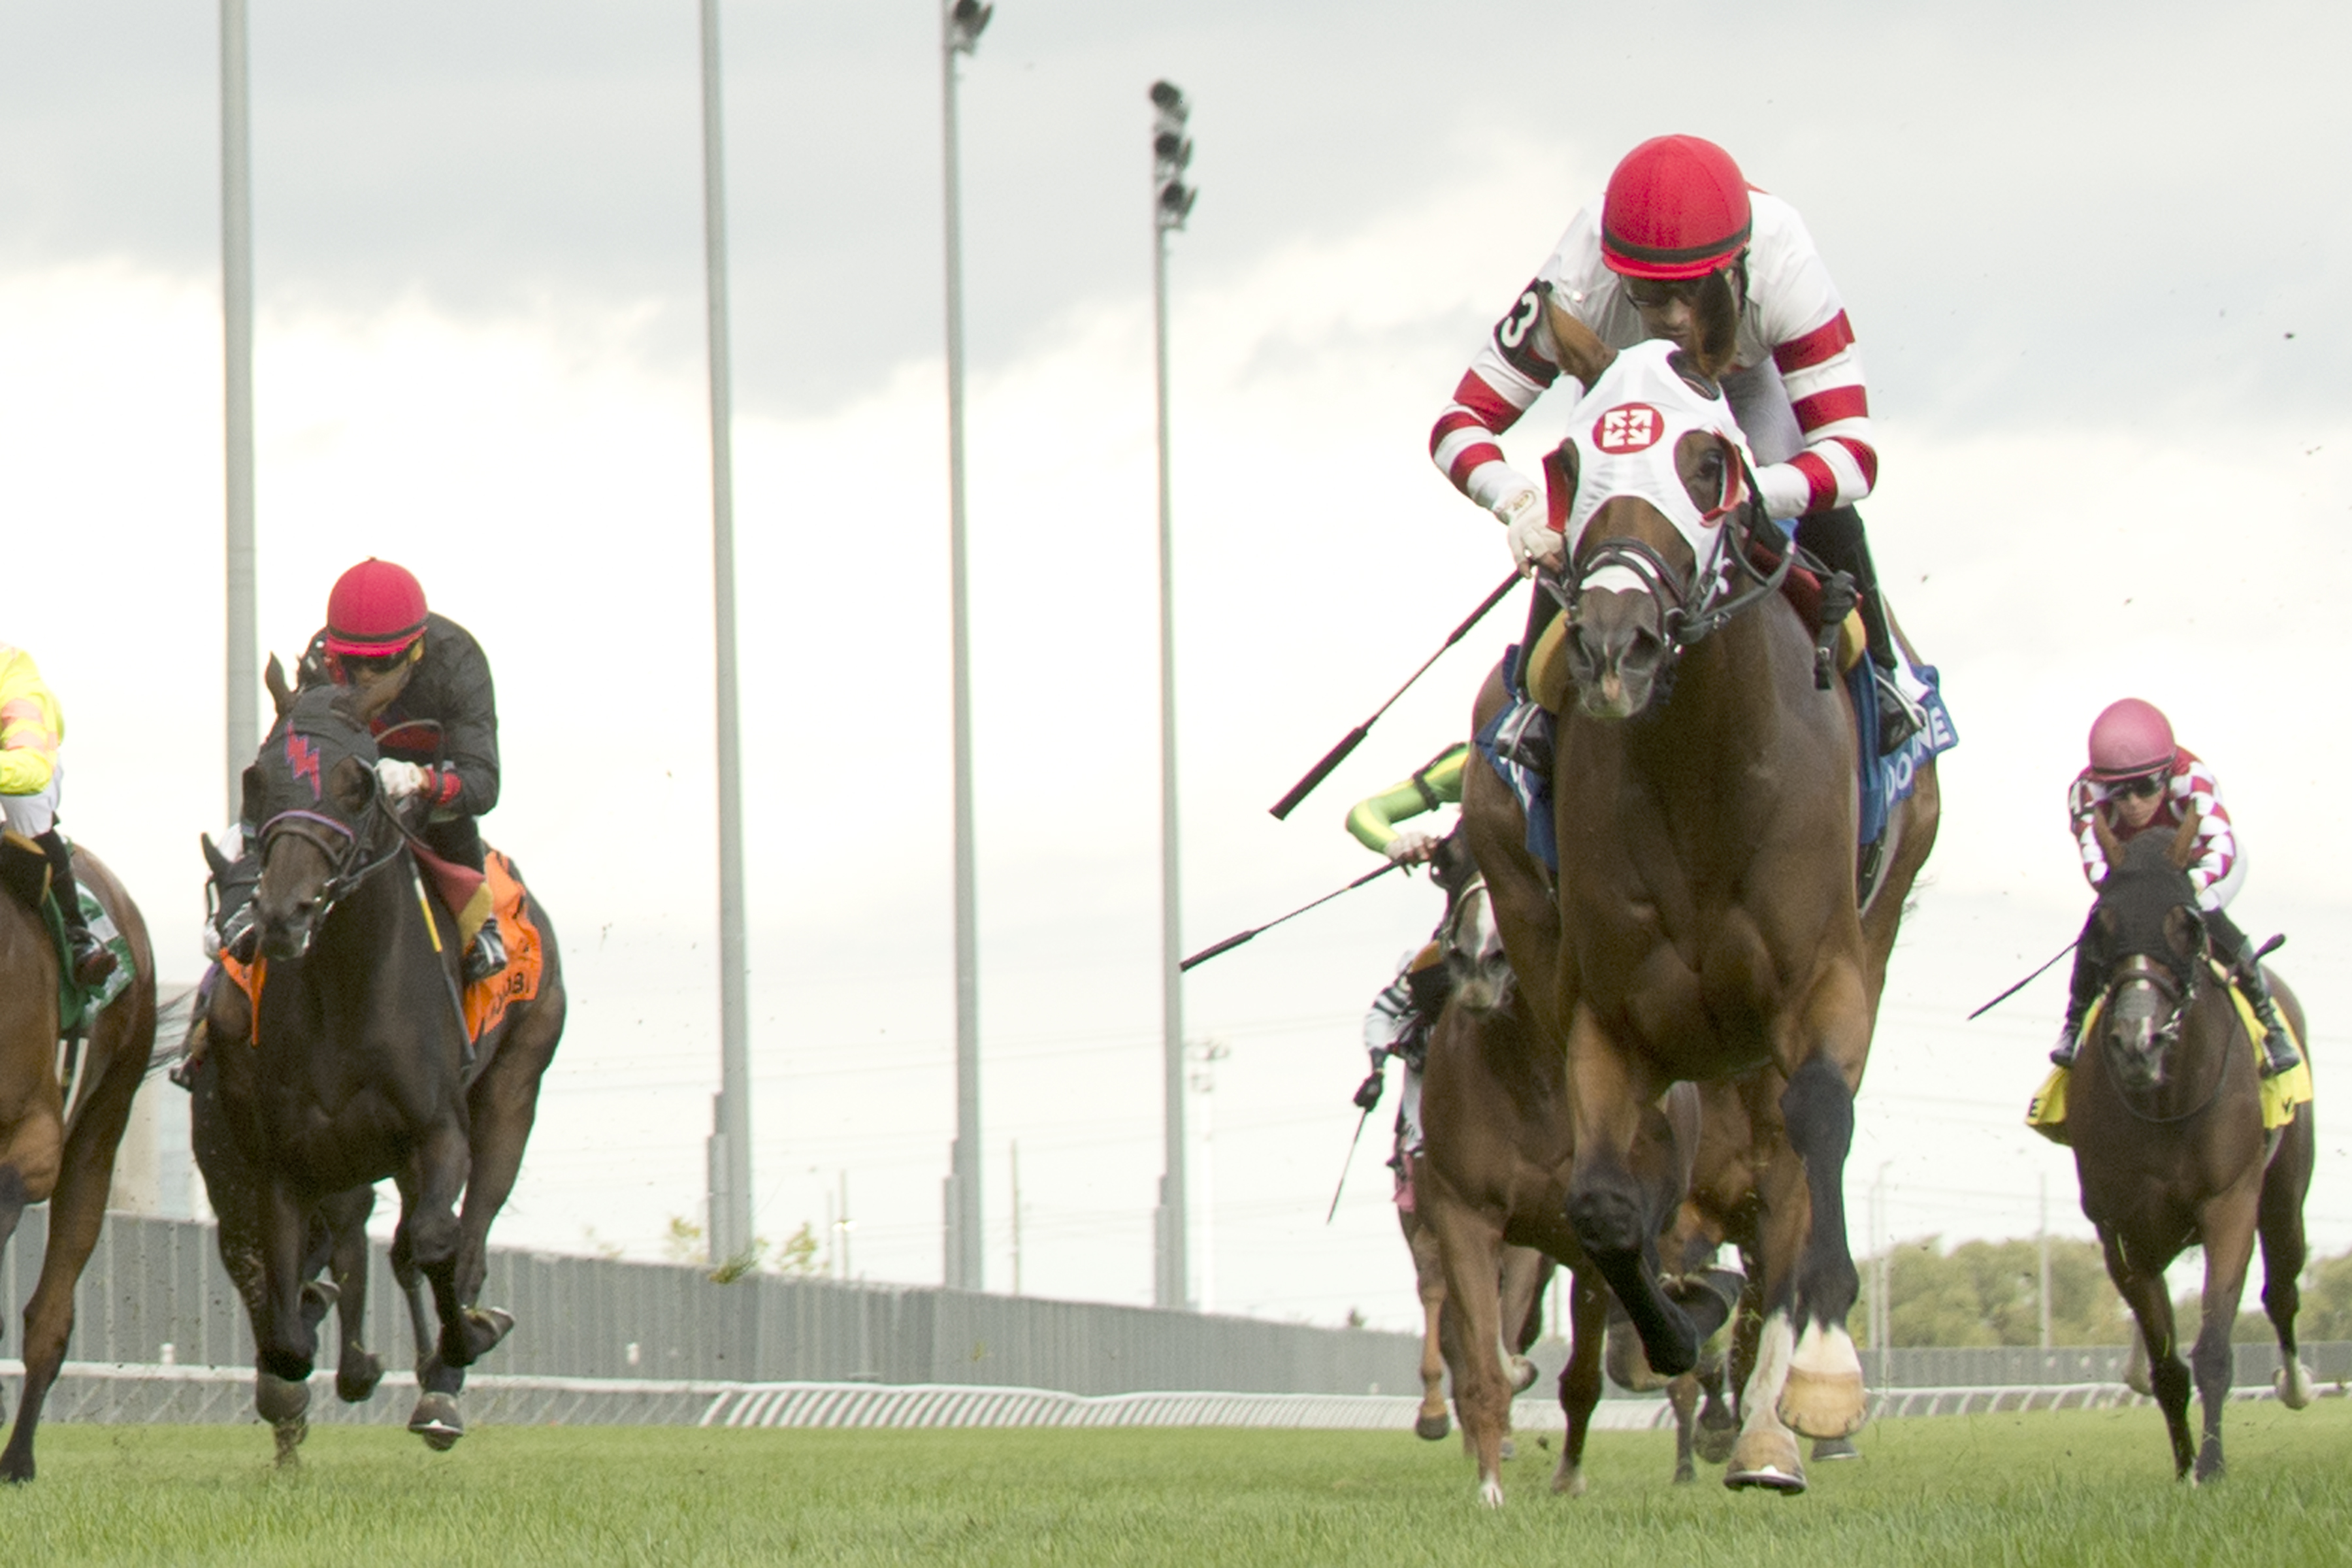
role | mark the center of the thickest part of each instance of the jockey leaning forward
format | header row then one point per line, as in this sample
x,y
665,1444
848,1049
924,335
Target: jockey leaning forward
x,y
1682,248
1399,1021
2141,780
377,624
32,728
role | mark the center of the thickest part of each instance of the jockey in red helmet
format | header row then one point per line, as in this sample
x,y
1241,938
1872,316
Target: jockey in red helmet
x,y
1681,247
377,622
2140,780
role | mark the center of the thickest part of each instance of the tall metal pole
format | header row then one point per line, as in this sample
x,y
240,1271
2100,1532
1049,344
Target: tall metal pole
x,y
961,21
242,735
730,1136
1172,200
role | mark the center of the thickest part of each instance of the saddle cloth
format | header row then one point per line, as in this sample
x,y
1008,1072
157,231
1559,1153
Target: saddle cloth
x,y
498,887
2046,1111
25,872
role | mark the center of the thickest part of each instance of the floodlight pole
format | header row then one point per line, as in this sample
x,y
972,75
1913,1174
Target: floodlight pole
x,y
242,735
1172,201
730,1136
960,24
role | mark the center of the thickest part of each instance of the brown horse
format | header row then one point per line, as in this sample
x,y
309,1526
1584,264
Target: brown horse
x,y
1705,921
56,1152
1525,1274
2165,1115
1493,1176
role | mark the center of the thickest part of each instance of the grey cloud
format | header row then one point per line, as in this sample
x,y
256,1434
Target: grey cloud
x,y
2034,210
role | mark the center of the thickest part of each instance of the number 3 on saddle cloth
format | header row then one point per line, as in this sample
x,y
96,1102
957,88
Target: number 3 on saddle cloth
x,y
475,895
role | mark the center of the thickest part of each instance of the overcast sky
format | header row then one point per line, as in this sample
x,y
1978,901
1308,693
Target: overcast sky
x,y
2093,253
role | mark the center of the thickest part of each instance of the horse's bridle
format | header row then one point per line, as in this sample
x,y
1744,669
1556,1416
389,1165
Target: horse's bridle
x,y
2177,986
1680,623
345,848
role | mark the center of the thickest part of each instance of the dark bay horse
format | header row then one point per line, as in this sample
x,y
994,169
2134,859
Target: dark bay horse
x,y
2165,1115
56,1152
1704,922
1492,1176
357,1066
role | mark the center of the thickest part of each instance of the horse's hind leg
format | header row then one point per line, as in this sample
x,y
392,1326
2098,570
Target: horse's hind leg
x,y
1682,1395
1824,1395
502,1109
358,1370
2281,1228
1580,1380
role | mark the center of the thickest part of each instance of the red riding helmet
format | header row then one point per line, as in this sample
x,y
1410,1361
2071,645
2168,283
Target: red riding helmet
x,y
376,608
2129,738
1676,207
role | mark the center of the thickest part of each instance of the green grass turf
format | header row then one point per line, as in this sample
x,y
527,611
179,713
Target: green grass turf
x,y
2072,1487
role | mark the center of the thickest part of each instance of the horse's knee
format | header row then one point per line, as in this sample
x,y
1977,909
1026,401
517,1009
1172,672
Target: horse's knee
x,y
1817,1109
1606,1212
432,1239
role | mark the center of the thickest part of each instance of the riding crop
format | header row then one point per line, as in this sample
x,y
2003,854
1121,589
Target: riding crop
x,y
2023,984
1354,738
1238,938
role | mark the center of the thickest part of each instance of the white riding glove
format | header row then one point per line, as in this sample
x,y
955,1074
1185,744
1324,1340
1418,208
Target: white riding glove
x,y
1411,848
402,781
1533,539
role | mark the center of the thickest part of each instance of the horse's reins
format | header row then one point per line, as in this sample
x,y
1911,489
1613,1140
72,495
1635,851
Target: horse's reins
x,y
2176,992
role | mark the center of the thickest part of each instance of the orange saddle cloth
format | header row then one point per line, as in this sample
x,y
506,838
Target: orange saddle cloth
x,y
474,895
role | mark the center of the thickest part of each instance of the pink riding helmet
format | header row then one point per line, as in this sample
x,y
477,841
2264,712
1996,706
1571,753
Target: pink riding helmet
x,y
2128,739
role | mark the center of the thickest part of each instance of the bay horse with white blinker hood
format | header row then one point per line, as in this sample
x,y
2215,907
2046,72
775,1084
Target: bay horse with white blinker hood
x,y
2166,1115
354,1064
1707,921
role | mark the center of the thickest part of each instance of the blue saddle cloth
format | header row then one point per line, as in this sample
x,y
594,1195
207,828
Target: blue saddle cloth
x,y
1885,782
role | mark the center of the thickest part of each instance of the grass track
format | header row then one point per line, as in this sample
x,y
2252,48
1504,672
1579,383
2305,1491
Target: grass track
x,y
2071,1488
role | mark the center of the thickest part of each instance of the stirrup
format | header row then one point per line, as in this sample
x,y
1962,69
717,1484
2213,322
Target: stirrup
x,y
487,955
1524,737
1899,717
93,961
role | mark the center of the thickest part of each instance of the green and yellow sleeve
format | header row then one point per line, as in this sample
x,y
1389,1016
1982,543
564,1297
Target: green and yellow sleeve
x,y
1437,783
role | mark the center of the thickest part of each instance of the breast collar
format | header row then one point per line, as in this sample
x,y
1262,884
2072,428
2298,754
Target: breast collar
x,y
1624,431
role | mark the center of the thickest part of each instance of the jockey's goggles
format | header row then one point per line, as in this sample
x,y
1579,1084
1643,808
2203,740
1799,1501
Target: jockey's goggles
x,y
2144,787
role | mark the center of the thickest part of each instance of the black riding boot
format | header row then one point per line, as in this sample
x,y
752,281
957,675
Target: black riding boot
x,y
93,962
2279,1054
1836,536
2081,990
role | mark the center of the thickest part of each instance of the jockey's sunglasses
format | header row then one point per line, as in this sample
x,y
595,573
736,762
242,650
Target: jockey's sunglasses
x,y
2142,787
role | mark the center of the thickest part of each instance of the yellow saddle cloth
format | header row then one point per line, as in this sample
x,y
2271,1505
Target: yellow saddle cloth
x,y
2046,1112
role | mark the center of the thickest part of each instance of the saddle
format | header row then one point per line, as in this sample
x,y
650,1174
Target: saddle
x,y
498,888
2046,1111
25,874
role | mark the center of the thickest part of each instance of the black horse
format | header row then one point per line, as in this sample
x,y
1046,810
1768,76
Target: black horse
x,y
2165,1114
355,1065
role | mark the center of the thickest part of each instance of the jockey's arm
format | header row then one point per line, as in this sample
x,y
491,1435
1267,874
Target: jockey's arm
x,y
31,726
1438,782
469,727
1801,316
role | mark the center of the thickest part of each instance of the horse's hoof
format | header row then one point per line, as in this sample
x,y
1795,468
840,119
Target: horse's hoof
x,y
1767,1460
1828,1449
2209,1467
485,1327
1523,1374
287,1436
2293,1385
355,1382
1430,1428
279,1400
1490,1492
1567,1480
435,1419
1686,1473
1714,1442
1823,1394
318,1295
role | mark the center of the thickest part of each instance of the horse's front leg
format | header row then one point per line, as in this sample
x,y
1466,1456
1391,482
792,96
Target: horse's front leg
x,y
286,1345
2227,1223
1617,1209
1431,1422
358,1370
1580,1380
1823,1396
2140,1283
1470,1243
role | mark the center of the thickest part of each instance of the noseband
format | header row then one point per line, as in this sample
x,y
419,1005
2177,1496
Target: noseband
x,y
345,848
1686,614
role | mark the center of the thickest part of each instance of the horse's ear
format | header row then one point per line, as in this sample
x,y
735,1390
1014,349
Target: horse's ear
x,y
274,678
1578,349
2183,852
2111,848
